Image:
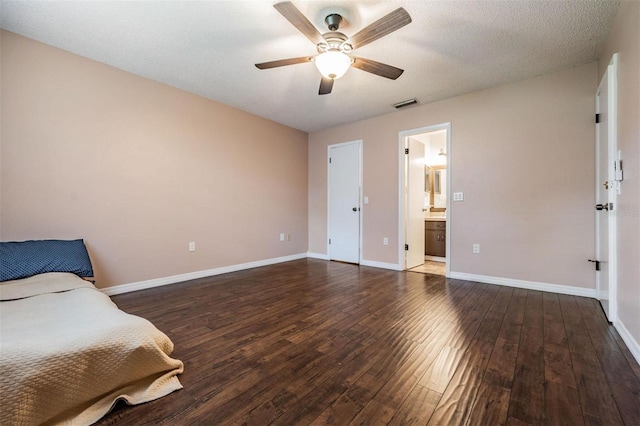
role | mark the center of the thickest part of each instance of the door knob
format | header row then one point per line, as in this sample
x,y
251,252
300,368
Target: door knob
x,y
355,209
604,206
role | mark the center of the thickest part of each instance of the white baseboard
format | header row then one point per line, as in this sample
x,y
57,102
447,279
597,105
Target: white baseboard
x,y
157,282
529,285
320,256
383,265
372,263
631,343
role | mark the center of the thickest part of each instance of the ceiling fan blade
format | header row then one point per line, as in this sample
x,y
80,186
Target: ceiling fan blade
x,y
326,84
283,62
383,26
298,20
377,68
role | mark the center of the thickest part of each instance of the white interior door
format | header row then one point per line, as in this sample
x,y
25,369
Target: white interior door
x,y
602,198
344,202
605,194
415,203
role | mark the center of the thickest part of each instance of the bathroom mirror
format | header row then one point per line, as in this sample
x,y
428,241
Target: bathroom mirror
x,y
427,179
435,184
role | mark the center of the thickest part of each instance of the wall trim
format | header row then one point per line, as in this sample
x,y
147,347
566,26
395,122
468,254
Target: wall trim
x,y
320,256
372,263
628,339
383,265
529,285
157,282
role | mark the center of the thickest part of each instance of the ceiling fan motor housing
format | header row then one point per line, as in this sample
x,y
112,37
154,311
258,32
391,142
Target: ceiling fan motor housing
x,y
333,21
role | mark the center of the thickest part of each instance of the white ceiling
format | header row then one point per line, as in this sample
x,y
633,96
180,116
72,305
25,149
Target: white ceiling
x,y
210,48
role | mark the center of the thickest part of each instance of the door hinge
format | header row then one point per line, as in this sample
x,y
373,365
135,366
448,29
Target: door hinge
x,y
597,118
597,262
329,160
406,150
329,241
605,206
406,246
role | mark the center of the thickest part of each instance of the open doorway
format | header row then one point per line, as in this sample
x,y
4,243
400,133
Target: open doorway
x,y
424,199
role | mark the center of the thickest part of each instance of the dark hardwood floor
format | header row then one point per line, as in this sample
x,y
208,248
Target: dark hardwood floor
x,y
316,342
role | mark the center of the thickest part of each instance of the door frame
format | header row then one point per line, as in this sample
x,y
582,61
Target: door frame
x,y
402,262
357,142
612,150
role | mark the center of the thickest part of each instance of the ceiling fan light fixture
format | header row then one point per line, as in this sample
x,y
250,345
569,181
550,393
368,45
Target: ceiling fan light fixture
x,y
334,47
332,64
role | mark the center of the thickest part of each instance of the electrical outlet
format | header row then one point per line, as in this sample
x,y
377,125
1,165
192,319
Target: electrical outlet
x,y
192,246
282,236
385,241
476,248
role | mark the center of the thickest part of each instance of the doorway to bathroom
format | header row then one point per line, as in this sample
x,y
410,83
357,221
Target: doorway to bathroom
x,y
425,219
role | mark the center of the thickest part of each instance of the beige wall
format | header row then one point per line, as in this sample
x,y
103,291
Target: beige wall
x,y
625,40
138,169
522,154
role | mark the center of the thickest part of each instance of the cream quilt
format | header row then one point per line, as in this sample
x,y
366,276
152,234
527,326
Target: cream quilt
x,y
67,353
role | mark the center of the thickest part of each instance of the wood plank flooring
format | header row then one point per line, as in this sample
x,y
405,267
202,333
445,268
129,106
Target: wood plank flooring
x,y
431,267
316,342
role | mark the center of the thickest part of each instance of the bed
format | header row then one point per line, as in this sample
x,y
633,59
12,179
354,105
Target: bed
x,y
68,354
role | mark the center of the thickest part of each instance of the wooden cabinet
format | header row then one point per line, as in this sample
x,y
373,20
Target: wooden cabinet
x,y
435,237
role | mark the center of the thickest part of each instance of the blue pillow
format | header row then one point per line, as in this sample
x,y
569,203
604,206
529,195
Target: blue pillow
x,y
26,258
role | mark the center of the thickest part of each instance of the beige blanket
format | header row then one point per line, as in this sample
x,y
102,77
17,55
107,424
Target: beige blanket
x,y
67,353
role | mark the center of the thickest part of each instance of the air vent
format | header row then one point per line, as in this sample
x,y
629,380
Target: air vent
x,y
406,103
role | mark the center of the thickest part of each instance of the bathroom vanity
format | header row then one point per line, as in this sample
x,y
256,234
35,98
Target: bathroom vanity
x,y
435,236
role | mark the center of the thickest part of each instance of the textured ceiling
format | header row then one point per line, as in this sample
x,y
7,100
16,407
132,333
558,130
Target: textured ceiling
x,y
210,48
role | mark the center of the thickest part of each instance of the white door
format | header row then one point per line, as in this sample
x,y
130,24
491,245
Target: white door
x,y
415,193
344,202
605,194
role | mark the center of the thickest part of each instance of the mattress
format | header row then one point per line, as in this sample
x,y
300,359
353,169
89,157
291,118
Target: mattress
x,y
67,353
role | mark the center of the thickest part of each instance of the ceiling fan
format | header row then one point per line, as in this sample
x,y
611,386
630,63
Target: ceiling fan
x,y
333,59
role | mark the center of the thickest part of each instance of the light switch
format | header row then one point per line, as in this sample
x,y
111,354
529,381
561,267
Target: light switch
x,y
366,200
458,196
